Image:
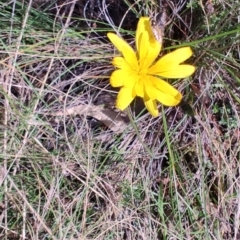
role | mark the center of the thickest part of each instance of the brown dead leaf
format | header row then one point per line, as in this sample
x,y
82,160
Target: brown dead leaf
x,y
108,117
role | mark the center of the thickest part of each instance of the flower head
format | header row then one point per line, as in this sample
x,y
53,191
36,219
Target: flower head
x,y
138,73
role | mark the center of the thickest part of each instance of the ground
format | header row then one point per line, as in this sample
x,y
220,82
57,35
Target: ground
x,y
67,172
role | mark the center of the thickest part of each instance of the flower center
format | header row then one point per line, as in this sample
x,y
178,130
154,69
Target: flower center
x,y
142,71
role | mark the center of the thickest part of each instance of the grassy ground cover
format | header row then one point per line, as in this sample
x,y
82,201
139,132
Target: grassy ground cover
x,y
66,173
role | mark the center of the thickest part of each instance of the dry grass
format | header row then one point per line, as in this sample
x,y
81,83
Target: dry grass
x,y
71,177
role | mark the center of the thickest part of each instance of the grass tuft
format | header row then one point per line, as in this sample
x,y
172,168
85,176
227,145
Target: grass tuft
x,y
71,176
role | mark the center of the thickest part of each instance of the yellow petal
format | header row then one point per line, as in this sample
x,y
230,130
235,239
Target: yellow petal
x,y
149,90
162,91
125,49
116,79
144,25
176,71
124,98
179,55
147,52
167,100
147,47
165,87
140,29
123,78
138,88
120,62
151,106
120,44
168,66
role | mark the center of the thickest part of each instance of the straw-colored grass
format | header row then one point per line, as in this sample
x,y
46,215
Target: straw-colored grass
x,y
70,176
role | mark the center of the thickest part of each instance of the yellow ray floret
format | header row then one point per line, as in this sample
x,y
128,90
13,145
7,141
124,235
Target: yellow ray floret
x,y
139,74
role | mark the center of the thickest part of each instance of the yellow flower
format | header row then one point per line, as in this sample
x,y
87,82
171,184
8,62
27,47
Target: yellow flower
x,y
139,75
